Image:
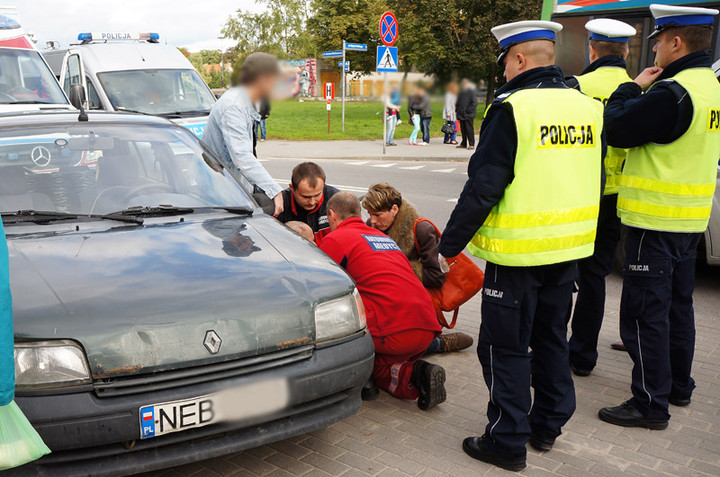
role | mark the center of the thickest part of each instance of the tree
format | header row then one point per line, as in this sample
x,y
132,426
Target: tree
x,y
452,39
355,21
280,29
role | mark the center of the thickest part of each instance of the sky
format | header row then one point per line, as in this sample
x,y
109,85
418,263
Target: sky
x,y
193,24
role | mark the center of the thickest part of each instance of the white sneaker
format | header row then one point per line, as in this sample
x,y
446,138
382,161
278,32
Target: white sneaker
x,y
423,144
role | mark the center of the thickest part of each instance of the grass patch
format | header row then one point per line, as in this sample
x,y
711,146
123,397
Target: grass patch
x,y
306,121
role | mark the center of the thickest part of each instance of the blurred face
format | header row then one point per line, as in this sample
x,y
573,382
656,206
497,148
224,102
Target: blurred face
x,y
266,85
383,220
308,197
665,48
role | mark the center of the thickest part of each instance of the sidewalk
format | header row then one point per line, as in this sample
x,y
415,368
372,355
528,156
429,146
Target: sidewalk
x,y
392,438
361,150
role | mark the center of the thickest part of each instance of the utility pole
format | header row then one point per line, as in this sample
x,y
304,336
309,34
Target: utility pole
x,y
343,87
222,63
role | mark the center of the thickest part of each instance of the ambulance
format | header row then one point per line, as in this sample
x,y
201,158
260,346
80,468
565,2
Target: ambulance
x,y
134,72
26,82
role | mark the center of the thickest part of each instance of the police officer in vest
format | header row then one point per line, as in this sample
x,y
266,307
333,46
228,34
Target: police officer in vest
x,y
607,70
529,208
666,193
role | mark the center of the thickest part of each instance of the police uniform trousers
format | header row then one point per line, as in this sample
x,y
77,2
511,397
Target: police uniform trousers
x,y
590,303
526,308
657,320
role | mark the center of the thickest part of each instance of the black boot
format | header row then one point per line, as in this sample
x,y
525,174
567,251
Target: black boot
x,y
540,443
476,448
370,391
626,415
430,381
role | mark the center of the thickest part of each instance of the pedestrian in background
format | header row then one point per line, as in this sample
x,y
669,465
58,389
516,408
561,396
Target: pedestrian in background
x,y
668,118
424,109
529,208
608,49
465,111
263,109
414,115
230,127
449,111
418,240
392,108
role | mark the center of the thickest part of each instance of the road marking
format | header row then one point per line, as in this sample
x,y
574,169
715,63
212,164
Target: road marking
x,y
411,168
385,165
361,190
357,163
452,200
445,171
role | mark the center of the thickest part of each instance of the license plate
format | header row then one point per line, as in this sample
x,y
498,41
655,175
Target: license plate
x,y
244,402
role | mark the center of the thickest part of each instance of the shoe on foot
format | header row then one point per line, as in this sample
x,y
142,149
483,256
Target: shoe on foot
x,y
460,147
471,147
423,144
452,342
476,448
582,372
262,140
679,401
619,346
626,415
542,444
370,391
429,379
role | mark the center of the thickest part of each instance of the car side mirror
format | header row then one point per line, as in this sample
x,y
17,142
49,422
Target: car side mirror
x,y
77,95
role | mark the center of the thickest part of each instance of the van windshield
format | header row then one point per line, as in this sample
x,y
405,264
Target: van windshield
x,y
173,93
26,79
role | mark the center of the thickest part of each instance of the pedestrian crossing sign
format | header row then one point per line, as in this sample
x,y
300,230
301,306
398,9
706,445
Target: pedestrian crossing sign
x,y
387,59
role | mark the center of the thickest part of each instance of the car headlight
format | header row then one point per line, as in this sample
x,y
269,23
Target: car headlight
x,y
48,364
340,317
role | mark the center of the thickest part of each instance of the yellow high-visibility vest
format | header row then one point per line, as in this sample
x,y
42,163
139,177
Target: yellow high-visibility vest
x,y
549,212
670,187
599,85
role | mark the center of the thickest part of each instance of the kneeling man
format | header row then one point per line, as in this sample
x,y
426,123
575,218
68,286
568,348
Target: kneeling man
x,y
400,313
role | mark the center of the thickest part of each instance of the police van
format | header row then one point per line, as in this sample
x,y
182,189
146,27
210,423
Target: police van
x,y
26,82
134,72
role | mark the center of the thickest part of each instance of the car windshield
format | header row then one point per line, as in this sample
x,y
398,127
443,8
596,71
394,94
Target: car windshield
x,y
26,79
87,168
158,92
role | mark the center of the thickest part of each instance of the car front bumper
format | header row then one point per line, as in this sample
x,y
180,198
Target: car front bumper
x,y
101,436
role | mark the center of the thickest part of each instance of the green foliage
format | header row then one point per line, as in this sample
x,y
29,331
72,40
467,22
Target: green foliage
x,y
355,21
280,29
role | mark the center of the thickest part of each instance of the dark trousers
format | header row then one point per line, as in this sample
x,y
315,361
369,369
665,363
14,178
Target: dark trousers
x,y
425,128
657,320
590,304
467,129
526,307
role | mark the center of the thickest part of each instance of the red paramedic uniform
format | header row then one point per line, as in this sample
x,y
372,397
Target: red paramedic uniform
x,y
400,314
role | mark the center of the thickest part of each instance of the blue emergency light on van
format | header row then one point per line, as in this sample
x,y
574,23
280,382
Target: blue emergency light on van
x,y
7,23
104,36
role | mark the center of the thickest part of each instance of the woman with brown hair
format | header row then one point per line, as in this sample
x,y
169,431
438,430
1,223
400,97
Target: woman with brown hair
x,y
397,218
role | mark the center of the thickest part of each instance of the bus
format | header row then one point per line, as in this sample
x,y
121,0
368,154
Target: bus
x,y
572,44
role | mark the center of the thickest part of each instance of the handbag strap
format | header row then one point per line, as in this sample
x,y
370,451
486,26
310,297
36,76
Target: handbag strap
x,y
423,219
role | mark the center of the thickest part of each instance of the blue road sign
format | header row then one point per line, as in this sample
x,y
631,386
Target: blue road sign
x,y
332,54
388,28
356,46
347,65
387,59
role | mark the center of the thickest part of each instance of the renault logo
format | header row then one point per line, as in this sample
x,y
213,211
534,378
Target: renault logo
x,y
41,156
212,341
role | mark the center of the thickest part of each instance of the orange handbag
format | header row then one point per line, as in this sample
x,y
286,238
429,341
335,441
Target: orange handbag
x,y
462,282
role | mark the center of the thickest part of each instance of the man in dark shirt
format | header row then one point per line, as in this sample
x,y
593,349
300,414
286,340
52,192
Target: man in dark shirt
x,y
306,199
465,110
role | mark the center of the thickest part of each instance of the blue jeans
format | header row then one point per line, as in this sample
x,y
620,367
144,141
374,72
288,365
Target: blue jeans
x,y
391,123
425,125
261,126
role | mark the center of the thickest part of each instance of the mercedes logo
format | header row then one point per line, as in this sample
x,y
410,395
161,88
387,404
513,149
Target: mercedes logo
x,y
41,156
212,341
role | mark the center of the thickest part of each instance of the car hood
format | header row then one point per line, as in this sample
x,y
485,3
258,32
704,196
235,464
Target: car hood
x,y
142,298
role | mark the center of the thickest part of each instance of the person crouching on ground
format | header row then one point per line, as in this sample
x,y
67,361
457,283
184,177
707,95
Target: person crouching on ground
x,y
396,217
400,314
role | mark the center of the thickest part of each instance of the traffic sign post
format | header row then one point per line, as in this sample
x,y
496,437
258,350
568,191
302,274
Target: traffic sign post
x,y
347,65
341,53
388,29
387,60
329,95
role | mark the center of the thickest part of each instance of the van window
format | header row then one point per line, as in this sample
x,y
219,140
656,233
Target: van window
x,y
170,93
93,97
26,79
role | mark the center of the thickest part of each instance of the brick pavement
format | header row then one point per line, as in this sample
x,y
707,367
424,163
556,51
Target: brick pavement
x,y
390,438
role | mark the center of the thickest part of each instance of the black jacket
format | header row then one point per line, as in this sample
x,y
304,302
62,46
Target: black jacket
x,y
317,218
466,106
491,167
264,110
661,115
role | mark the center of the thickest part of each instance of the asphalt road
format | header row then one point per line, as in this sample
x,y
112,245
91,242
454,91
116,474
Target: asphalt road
x,y
432,186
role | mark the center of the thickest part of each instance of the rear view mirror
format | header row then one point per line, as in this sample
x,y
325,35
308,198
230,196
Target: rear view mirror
x,y
77,95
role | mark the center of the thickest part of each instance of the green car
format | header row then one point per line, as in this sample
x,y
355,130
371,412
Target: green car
x,y
160,317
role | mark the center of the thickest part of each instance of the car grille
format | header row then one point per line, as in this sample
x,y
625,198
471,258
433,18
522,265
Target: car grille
x,y
200,374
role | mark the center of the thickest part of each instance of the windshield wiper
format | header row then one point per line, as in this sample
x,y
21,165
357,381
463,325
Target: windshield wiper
x,y
29,101
234,209
39,216
186,114
140,211
123,109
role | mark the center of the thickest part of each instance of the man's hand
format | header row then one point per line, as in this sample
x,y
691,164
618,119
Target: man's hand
x,y
648,77
279,205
